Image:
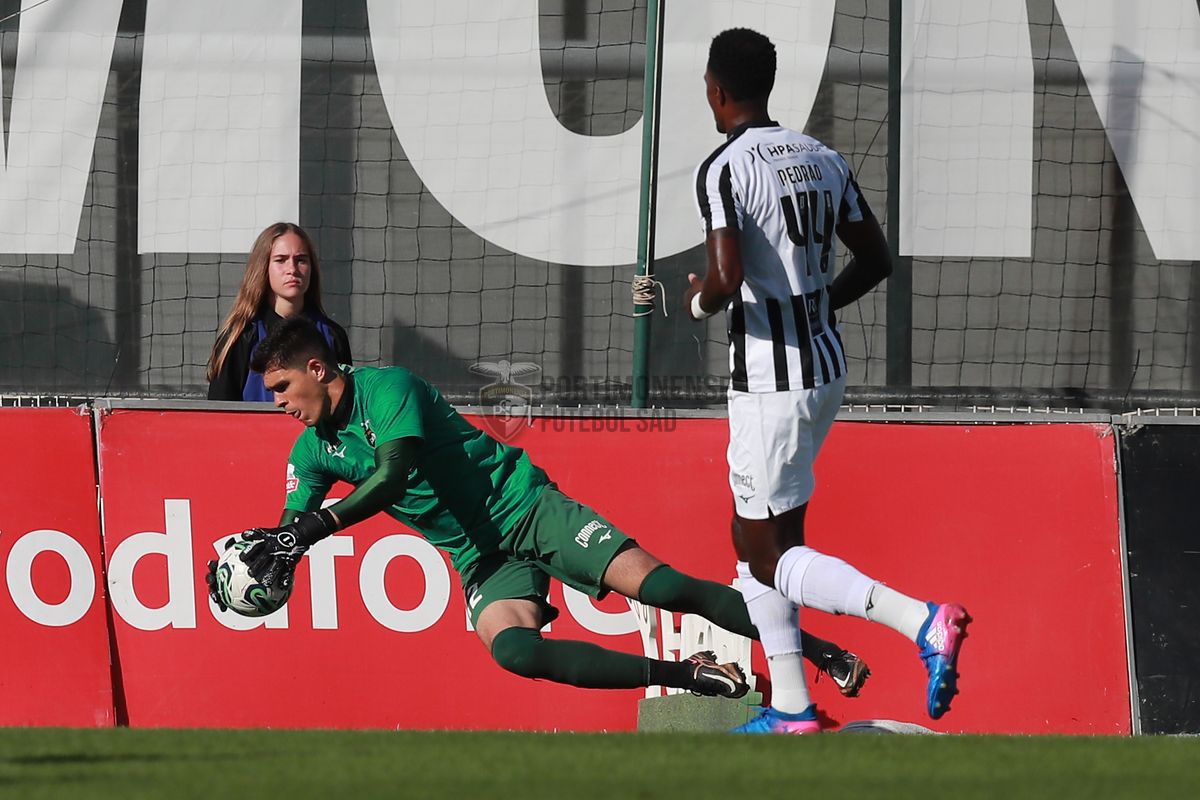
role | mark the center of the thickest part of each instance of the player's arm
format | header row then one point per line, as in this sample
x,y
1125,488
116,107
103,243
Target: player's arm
x,y
871,262
721,283
273,560
383,487
396,410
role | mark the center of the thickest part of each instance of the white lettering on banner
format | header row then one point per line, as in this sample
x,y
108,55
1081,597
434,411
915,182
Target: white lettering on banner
x,y
463,84
593,619
1141,62
179,610
63,57
374,594
323,581
19,573
966,167
176,544
219,126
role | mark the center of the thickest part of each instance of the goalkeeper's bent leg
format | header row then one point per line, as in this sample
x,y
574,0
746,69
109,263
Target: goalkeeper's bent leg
x,y
668,588
525,652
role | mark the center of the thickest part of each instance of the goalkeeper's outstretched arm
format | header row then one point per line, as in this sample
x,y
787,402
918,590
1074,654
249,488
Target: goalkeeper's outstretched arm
x,y
384,487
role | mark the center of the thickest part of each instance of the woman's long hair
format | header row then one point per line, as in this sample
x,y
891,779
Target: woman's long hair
x,y
255,291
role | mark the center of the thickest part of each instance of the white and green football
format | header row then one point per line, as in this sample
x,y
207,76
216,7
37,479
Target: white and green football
x,y
241,592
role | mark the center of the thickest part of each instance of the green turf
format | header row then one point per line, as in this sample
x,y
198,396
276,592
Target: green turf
x,y
38,763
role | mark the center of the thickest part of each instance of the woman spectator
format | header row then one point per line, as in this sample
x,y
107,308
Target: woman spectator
x,y
282,279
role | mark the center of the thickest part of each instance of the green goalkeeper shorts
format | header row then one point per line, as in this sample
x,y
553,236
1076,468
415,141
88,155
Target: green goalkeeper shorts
x,y
557,538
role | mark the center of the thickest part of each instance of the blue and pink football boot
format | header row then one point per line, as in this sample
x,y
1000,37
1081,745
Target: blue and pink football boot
x,y
940,638
772,721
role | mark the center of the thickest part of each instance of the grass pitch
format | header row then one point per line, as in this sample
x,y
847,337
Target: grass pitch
x,y
345,765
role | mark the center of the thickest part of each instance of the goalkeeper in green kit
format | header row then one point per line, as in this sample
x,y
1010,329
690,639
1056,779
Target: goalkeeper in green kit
x,y
504,524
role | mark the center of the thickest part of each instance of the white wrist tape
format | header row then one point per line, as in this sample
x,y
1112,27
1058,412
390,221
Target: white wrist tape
x,y
697,311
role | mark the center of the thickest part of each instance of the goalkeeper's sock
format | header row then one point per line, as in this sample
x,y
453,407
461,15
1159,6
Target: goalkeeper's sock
x,y
818,650
525,652
670,589
898,611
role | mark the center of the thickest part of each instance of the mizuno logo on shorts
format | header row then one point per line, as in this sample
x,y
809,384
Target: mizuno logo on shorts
x,y
744,481
584,537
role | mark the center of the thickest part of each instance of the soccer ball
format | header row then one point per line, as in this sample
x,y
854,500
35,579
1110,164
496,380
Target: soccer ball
x,y
240,591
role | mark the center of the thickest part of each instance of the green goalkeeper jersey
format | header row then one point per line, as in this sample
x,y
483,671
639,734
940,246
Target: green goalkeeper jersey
x,y
465,491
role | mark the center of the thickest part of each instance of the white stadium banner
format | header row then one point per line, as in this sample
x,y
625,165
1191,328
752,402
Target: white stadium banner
x,y
219,128
463,85
966,164
63,54
1141,62
219,147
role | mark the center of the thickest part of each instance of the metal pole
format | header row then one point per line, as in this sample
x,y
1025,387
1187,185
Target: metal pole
x,y
128,267
573,113
642,312
1122,244
899,285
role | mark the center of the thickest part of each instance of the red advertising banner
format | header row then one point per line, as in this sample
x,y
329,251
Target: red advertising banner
x,y
55,669
1019,523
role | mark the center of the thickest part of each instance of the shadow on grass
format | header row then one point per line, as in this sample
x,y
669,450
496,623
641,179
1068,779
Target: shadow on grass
x,y
60,759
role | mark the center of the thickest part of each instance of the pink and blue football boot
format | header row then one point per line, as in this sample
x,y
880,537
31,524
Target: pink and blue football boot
x,y
940,638
772,721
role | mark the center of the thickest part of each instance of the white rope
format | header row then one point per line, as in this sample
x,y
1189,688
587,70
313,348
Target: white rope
x,y
644,294
23,10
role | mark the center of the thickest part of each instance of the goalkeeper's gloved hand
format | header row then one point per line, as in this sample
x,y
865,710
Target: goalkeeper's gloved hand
x,y
273,556
210,578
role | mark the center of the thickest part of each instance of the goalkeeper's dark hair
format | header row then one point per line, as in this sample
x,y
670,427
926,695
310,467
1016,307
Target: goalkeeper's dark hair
x,y
742,62
290,345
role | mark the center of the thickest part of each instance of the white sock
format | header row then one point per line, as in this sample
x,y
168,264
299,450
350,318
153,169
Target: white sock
x,y
789,686
779,632
772,613
815,580
898,611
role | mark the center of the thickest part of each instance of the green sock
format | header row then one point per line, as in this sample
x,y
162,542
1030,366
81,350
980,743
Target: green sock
x,y
523,651
816,649
668,588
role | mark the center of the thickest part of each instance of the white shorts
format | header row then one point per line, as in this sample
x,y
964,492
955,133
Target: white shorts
x,y
773,440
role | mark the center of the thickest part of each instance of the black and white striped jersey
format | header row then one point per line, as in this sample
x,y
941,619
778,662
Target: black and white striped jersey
x,y
786,193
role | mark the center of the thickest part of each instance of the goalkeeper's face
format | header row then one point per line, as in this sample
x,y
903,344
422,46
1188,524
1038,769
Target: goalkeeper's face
x,y
302,393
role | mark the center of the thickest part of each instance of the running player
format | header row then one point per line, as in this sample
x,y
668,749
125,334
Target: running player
x,y
505,526
771,201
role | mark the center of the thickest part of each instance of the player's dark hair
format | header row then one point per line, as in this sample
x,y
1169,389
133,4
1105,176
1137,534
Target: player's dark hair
x,y
742,62
291,344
